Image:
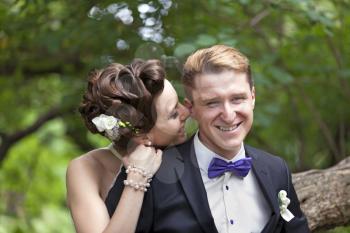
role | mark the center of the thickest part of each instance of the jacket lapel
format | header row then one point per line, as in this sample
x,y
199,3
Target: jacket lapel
x,y
264,179
194,189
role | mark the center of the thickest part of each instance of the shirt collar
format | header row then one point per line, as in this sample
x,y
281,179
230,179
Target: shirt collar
x,y
205,155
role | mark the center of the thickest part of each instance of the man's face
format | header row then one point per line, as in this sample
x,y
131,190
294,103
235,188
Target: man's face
x,y
223,106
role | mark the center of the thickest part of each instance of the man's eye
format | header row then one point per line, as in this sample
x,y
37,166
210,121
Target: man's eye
x,y
212,104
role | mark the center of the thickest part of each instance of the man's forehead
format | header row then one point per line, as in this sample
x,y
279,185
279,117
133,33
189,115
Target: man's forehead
x,y
204,79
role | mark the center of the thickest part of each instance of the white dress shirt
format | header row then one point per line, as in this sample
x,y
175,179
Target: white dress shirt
x,y
237,204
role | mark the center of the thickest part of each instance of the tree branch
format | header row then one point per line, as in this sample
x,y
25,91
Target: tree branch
x,y
327,133
324,195
260,16
51,114
9,139
10,68
345,88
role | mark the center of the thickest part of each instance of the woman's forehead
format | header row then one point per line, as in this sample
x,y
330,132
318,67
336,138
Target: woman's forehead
x,y
167,100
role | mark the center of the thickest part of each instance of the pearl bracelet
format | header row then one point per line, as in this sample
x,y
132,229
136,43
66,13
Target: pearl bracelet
x,y
137,186
132,168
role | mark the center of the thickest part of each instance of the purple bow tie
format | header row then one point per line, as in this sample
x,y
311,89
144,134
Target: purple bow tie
x,y
240,167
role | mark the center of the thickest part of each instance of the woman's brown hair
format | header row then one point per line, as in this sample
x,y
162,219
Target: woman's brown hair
x,y
125,92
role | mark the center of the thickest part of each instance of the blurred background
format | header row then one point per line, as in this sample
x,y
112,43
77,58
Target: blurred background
x,y
299,51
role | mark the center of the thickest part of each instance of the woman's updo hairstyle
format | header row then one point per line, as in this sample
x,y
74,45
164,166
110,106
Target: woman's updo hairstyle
x,y
125,92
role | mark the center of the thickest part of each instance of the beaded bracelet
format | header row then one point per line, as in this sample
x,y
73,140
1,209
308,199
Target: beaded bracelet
x,y
137,186
132,168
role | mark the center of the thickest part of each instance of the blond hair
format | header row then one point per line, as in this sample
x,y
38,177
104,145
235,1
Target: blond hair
x,y
214,59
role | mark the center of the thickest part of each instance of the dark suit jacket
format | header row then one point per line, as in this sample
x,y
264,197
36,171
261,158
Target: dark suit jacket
x,y
177,200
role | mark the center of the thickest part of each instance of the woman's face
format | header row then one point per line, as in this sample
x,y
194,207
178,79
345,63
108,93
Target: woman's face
x,y
169,128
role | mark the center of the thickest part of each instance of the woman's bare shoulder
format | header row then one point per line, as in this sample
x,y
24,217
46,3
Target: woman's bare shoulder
x,y
90,164
90,174
96,168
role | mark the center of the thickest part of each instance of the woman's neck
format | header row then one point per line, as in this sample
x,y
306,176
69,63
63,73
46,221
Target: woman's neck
x,y
123,151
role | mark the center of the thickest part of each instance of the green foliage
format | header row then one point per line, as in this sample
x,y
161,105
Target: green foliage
x,y
338,230
52,219
184,49
299,54
33,181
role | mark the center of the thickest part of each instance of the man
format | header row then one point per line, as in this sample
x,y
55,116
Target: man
x,y
206,184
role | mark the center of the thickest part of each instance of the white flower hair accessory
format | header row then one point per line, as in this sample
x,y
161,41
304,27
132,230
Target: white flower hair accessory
x,y
283,202
110,125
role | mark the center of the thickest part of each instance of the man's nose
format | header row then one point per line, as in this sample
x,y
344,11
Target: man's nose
x,y
228,113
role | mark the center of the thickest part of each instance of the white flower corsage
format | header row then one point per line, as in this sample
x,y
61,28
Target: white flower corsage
x,y
283,202
110,125
104,122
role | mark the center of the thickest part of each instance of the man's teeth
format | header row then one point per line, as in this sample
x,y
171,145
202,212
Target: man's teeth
x,y
228,128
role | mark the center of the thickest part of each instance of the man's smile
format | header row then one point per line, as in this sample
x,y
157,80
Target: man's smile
x,y
229,128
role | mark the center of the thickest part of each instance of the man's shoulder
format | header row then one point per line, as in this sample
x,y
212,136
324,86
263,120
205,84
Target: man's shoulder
x,y
263,156
173,162
179,150
267,162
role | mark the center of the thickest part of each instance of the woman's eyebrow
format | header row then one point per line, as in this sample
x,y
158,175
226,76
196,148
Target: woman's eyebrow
x,y
171,108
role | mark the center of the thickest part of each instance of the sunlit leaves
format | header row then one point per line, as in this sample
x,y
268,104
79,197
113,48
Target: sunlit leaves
x,y
204,40
184,49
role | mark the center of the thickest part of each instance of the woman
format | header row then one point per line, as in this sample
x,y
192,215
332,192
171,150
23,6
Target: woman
x,y
138,110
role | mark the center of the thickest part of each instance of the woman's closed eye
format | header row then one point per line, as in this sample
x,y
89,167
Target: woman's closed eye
x,y
174,114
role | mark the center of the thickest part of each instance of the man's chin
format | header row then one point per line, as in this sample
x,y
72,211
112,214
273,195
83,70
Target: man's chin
x,y
231,147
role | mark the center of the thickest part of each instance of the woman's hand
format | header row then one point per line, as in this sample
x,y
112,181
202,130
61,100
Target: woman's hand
x,y
144,157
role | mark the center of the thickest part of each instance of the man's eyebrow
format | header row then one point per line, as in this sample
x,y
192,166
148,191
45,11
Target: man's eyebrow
x,y
207,99
204,99
239,94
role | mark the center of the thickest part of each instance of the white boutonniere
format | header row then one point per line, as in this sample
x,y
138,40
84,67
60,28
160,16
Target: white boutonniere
x,y
283,202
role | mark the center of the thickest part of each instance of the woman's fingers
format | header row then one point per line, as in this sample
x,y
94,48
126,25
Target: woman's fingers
x,y
146,157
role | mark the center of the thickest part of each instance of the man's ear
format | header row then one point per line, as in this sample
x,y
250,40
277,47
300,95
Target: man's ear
x,y
253,97
188,104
